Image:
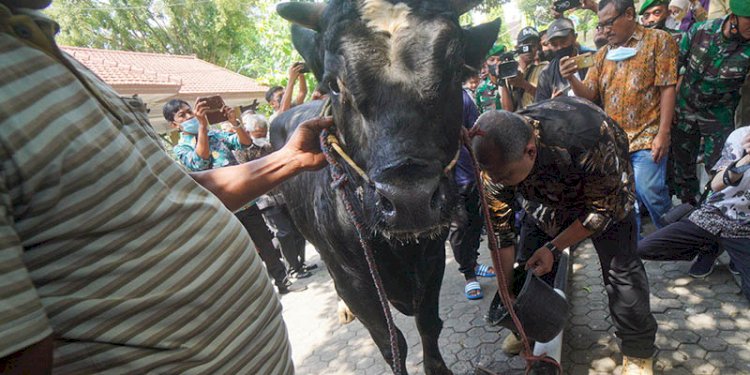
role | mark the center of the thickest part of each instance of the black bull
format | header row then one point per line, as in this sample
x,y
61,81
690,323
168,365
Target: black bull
x,y
393,70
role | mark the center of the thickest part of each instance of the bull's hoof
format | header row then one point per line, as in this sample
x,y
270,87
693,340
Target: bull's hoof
x,y
345,315
437,369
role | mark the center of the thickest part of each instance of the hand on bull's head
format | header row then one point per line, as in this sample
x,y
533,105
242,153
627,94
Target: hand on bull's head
x,y
303,148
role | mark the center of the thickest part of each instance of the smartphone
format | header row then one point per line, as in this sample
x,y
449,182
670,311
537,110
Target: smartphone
x,y
584,61
563,5
214,114
305,68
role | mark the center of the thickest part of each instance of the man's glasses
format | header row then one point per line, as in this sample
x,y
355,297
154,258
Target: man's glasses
x,y
608,24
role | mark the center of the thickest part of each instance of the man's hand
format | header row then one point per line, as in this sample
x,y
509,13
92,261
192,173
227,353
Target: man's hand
x,y
199,109
231,114
517,81
541,262
590,5
304,145
295,71
568,67
660,146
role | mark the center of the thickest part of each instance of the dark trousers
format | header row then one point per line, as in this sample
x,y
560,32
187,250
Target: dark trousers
x,y
530,240
624,278
252,220
290,239
466,228
683,240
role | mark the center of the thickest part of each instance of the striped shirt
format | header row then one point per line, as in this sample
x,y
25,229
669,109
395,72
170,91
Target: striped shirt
x,y
106,243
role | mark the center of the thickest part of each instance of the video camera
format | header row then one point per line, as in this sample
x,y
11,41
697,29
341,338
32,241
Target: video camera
x,y
563,5
508,66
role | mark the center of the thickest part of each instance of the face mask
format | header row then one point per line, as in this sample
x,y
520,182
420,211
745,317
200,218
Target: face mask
x,y
260,142
567,51
734,33
658,26
546,55
191,126
672,23
621,53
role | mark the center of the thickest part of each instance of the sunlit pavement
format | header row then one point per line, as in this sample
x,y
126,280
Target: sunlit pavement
x,y
704,325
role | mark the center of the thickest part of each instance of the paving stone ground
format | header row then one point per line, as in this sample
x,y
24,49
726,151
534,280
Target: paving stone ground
x,y
703,325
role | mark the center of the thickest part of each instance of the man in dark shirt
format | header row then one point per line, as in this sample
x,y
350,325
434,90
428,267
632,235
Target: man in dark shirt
x,y
562,39
568,155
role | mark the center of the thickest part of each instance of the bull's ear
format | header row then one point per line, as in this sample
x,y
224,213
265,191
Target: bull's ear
x,y
463,6
307,43
304,14
478,41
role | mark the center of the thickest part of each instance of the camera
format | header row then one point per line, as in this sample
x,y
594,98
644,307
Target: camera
x,y
507,68
563,5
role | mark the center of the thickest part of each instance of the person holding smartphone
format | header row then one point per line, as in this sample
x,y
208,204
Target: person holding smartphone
x,y
530,68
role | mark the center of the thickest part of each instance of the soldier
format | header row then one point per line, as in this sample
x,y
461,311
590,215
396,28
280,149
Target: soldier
x,y
655,14
487,94
716,58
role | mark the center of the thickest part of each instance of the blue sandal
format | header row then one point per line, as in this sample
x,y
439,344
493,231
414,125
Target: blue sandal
x,y
471,287
483,270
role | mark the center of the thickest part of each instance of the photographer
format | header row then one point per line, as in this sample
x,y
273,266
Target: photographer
x,y
529,69
488,94
281,99
563,42
722,223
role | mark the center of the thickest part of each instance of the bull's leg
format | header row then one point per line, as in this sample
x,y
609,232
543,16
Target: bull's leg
x,y
361,297
428,321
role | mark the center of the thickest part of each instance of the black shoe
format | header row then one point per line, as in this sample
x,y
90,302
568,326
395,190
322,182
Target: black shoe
x,y
299,274
288,287
733,269
702,266
309,268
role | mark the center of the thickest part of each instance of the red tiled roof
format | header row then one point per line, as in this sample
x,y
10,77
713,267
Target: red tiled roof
x,y
188,74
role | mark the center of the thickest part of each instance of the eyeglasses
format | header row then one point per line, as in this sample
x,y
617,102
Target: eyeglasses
x,y
608,25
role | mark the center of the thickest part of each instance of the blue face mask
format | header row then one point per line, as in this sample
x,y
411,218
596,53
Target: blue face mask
x,y
621,53
191,126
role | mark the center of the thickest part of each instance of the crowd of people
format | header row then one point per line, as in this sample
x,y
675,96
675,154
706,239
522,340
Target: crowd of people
x,y
573,143
612,135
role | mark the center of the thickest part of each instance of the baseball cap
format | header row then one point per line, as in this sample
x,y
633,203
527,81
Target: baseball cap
x,y
560,27
526,34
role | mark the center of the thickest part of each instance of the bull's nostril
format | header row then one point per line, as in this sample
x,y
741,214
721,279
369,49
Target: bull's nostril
x,y
437,199
386,205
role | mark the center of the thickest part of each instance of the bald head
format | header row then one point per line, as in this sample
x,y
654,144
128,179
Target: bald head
x,y
502,137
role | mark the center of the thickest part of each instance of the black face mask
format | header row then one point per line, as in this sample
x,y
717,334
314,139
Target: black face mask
x,y
546,55
734,32
658,26
567,51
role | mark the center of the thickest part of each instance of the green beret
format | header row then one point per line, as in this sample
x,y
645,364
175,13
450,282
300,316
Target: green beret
x,y
496,50
649,3
740,7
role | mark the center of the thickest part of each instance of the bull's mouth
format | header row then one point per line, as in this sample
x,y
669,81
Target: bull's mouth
x,y
409,236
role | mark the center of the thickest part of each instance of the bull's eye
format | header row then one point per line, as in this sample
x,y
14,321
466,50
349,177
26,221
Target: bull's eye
x,y
333,87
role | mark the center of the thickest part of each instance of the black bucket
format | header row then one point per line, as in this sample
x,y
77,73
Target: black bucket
x,y
540,309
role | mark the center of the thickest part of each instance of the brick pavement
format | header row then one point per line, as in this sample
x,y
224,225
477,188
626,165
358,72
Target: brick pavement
x,y
703,325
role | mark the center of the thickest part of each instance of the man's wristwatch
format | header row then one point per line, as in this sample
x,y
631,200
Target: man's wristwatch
x,y
553,249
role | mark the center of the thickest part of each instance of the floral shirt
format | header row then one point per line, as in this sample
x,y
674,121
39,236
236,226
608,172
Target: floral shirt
x,y
727,212
221,145
630,90
582,168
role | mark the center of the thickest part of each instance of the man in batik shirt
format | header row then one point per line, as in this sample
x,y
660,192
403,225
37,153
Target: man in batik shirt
x,y
569,156
716,57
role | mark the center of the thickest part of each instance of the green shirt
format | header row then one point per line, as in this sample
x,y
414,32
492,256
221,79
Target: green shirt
x,y
488,96
715,67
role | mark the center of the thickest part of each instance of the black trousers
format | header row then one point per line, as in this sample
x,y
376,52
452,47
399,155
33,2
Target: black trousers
x,y
252,220
684,240
290,239
466,229
624,279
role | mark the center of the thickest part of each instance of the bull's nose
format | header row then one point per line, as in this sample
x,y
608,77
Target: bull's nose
x,y
413,207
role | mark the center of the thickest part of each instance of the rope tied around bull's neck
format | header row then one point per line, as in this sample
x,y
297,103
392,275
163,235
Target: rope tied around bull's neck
x,y
329,144
502,285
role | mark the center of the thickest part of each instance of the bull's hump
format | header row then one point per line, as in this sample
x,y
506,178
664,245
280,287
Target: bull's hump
x,y
381,15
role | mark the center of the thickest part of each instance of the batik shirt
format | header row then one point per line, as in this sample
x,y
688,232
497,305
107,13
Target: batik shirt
x,y
727,212
488,96
715,68
630,90
582,167
221,145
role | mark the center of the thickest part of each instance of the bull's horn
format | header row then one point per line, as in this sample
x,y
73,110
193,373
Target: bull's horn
x,y
304,14
463,6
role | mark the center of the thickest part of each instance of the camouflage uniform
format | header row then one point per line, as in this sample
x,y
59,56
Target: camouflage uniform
x,y
715,70
488,96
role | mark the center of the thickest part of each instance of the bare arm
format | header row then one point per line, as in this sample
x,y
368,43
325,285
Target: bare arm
x,y
202,148
506,99
32,360
302,94
660,145
542,261
717,184
286,100
239,184
568,68
242,134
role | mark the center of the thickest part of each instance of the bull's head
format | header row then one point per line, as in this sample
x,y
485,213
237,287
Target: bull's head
x,y
393,70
